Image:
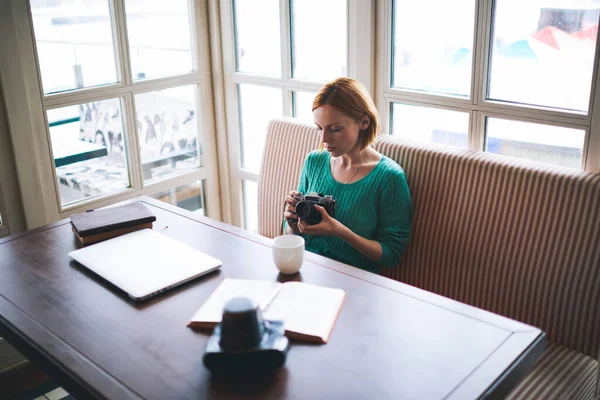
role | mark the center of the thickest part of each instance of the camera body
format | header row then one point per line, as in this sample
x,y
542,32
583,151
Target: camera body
x,y
305,208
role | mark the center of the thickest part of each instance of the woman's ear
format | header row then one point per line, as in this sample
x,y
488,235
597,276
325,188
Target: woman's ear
x,y
364,124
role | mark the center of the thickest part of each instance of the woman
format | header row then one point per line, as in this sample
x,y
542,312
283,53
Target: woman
x,y
373,205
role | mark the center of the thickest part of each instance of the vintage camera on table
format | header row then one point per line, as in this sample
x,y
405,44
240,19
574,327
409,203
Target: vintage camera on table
x,y
305,208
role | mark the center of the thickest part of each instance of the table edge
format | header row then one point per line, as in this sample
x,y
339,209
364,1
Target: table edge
x,y
48,359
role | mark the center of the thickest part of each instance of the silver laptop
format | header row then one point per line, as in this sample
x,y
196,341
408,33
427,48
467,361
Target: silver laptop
x,y
144,263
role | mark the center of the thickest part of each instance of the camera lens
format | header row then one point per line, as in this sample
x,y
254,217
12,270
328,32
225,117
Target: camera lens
x,y
303,209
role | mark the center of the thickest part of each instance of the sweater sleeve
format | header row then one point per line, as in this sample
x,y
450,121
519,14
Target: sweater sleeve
x,y
394,219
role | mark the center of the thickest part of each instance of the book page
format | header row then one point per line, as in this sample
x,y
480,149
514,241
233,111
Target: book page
x,y
211,312
306,309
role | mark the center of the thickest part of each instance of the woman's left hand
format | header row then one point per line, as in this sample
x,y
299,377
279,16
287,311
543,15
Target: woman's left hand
x,y
327,227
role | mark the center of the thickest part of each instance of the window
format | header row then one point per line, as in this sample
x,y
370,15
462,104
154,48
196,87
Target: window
x,y
503,76
190,197
274,65
125,100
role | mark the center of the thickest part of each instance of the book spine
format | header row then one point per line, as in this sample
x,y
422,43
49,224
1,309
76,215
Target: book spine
x,y
85,240
114,227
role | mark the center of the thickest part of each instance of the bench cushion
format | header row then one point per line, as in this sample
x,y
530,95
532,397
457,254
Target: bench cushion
x,y
561,374
514,237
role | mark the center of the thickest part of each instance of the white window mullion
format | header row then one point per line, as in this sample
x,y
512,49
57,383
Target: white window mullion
x,y
285,27
248,175
148,85
361,43
132,145
592,150
242,77
235,148
476,130
399,94
384,58
288,104
121,41
483,19
299,84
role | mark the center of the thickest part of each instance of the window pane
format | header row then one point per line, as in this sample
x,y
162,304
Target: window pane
x,y
432,125
537,142
433,45
258,105
313,57
303,106
74,43
190,197
258,47
250,189
89,149
543,54
167,132
159,37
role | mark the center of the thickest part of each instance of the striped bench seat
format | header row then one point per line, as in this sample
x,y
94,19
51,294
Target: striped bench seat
x,y
513,237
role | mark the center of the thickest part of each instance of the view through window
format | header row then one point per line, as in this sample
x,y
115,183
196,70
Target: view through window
x,y
118,115
272,78
538,66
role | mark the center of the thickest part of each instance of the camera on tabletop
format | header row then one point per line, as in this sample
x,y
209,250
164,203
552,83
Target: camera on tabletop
x,y
243,343
305,208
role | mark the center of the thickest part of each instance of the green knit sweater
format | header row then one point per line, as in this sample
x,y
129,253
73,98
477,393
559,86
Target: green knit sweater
x,y
376,207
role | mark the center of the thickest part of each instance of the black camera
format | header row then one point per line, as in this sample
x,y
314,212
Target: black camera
x,y
243,343
305,208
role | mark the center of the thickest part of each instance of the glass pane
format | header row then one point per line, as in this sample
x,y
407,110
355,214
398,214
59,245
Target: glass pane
x,y
257,36
258,105
433,45
250,189
88,144
303,106
543,52
190,197
159,37
314,58
537,142
74,43
167,132
432,125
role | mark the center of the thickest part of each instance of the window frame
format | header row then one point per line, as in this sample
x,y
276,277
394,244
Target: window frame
x,y
360,65
37,175
478,105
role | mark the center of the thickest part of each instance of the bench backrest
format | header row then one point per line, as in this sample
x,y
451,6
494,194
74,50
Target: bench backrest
x,y
514,237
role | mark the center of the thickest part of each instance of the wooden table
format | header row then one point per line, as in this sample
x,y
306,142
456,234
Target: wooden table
x,y
391,340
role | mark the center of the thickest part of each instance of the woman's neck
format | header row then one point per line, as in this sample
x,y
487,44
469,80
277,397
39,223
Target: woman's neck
x,y
354,157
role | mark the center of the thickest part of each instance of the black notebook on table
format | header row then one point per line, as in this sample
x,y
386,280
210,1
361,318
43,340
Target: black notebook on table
x,y
96,225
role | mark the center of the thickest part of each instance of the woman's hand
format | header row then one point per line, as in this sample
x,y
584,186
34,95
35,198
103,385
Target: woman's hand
x,y
327,227
290,211
290,206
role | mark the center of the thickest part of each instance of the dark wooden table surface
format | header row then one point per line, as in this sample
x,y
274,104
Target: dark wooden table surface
x,y
391,340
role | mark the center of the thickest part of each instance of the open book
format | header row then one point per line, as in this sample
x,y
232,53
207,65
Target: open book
x,y
308,311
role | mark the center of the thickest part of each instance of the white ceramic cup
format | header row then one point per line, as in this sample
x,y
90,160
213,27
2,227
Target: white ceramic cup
x,y
288,253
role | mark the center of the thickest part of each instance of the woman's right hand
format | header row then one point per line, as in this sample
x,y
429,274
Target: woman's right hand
x,y
290,209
